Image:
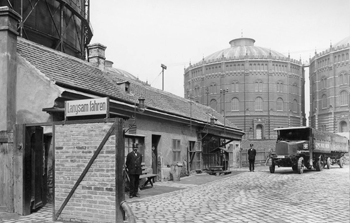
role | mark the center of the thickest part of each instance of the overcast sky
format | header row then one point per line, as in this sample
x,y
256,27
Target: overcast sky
x,y
140,35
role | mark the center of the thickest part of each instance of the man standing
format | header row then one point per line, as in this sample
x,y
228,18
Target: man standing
x,y
133,163
251,155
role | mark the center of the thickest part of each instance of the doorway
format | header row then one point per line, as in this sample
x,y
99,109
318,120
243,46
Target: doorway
x,y
156,164
35,169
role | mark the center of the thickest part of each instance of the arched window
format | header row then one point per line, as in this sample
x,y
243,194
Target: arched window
x,y
259,131
295,106
324,101
279,104
235,104
343,98
213,104
258,86
343,127
258,104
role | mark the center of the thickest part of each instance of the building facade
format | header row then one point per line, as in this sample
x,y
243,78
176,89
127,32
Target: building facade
x,y
330,88
256,88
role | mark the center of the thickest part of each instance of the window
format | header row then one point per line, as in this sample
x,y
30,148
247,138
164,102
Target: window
x,y
197,91
258,86
343,78
176,150
235,86
294,89
213,88
258,104
324,101
295,106
279,86
343,98
259,131
235,104
213,104
343,127
324,82
279,104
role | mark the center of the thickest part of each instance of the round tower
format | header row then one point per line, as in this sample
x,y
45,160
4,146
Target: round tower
x,y
256,88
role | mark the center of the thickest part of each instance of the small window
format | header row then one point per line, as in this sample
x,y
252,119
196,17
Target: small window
x,y
176,148
279,104
343,97
324,101
235,104
258,104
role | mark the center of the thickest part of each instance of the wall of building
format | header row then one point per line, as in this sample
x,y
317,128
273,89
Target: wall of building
x,y
94,199
34,92
329,77
204,81
168,130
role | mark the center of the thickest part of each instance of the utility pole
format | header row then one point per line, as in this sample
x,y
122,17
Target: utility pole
x,y
163,68
223,91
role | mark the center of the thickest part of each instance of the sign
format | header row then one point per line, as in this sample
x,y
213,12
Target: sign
x,y
94,106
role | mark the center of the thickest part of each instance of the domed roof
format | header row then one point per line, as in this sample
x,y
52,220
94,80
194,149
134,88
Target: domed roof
x,y
343,42
241,47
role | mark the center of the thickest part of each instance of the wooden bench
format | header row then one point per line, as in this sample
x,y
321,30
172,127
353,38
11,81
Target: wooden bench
x,y
150,179
146,174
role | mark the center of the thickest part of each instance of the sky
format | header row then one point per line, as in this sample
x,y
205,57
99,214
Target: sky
x,y
140,35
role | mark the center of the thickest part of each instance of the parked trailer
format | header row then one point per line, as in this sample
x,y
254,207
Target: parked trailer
x,y
300,147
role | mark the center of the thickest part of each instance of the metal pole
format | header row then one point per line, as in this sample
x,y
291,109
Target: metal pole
x,y
163,68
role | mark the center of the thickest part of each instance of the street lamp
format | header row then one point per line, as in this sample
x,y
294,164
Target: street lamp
x,y
163,68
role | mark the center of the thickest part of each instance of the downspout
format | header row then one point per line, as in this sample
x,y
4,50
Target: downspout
x,y
128,212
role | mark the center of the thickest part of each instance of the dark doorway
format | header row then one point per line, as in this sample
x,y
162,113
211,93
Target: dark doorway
x,y
35,170
155,161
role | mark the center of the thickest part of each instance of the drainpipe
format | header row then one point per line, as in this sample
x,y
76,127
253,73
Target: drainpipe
x,y
128,211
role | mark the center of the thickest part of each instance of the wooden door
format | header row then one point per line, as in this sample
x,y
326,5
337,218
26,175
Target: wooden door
x,y
34,174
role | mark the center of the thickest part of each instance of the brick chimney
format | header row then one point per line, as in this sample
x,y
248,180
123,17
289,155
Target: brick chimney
x,y
96,55
8,67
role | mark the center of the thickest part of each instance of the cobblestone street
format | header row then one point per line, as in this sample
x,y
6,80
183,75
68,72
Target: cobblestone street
x,y
255,197
245,197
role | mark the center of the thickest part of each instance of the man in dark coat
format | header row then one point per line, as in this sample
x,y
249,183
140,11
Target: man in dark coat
x,y
251,155
133,163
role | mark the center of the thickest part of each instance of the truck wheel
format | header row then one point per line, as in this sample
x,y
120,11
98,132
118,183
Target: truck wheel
x,y
328,163
340,162
319,165
299,165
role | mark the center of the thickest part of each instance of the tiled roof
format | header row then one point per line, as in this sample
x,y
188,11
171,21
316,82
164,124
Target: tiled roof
x,y
78,73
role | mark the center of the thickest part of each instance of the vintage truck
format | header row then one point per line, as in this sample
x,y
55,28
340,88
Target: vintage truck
x,y
304,147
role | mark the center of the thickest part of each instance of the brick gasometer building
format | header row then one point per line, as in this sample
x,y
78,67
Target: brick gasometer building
x,y
256,88
330,88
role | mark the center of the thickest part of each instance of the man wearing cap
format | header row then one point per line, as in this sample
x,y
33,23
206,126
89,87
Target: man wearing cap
x,y
251,155
133,163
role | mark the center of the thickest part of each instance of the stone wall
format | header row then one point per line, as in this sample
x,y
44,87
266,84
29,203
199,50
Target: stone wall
x,y
94,199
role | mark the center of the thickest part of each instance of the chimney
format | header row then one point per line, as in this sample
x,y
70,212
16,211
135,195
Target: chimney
x,y
96,55
9,19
